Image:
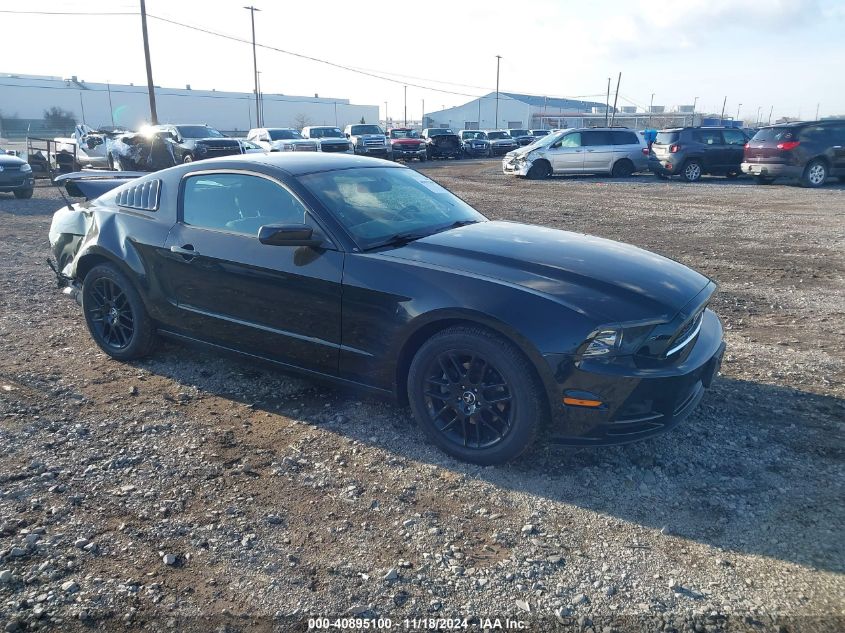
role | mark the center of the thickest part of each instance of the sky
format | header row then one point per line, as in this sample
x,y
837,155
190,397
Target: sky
x,y
786,54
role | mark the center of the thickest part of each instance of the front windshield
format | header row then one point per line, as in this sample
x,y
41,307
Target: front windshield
x,y
325,132
540,133
198,131
473,134
365,129
375,204
284,135
520,133
548,139
439,131
404,134
498,135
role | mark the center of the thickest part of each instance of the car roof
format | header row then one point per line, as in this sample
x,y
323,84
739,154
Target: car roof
x,y
300,163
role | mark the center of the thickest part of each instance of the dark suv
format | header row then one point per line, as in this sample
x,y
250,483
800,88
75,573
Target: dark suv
x,y
693,151
810,152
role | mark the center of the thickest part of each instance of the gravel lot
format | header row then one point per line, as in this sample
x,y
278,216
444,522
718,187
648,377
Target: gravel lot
x,y
193,492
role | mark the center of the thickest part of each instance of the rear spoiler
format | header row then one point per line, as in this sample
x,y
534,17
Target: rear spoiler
x,y
93,183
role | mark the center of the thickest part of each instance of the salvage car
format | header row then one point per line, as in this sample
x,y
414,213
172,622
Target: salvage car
x,y
371,275
475,143
406,143
809,151
328,139
160,146
197,142
538,133
521,136
16,176
281,139
618,152
369,140
441,142
501,142
691,152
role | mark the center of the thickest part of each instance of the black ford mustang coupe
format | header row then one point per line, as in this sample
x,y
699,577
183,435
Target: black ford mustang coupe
x,y
370,274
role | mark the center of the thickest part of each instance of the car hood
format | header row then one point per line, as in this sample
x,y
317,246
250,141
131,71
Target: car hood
x,y
502,141
607,281
7,160
330,139
216,142
292,141
406,141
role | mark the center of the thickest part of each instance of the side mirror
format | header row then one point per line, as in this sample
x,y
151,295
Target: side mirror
x,y
288,235
347,135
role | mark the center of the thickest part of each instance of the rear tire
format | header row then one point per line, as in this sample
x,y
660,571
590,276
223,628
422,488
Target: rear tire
x,y
23,194
691,171
622,169
188,159
815,174
540,170
476,395
115,315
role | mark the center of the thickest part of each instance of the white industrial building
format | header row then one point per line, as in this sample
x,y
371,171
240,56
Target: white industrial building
x,y
514,111
127,106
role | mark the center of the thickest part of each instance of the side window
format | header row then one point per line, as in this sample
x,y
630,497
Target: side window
x,y
734,137
238,203
624,138
595,138
707,137
837,134
570,140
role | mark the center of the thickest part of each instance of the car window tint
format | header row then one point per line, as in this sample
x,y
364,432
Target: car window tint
x,y
571,140
707,137
818,133
624,138
595,138
238,203
666,138
837,134
734,137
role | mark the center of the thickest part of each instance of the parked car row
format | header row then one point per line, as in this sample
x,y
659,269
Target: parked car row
x,y
811,152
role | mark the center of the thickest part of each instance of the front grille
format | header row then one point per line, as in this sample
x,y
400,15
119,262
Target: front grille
x,y
334,147
305,147
8,168
373,142
222,151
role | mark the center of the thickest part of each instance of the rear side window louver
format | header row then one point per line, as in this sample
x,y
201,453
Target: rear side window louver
x,y
143,197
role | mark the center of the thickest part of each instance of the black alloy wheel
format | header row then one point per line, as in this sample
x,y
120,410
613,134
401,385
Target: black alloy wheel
x,y
115,314
476,395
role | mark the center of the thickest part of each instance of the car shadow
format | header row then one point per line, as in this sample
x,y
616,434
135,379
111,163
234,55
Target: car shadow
x,y
757,469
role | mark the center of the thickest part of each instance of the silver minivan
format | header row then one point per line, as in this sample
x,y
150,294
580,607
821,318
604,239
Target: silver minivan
x,y
616,151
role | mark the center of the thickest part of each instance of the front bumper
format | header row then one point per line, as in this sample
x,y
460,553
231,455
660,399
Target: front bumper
x,y
372,151
501,150
476,151
401,152
771,170
637,402
16,182
516,168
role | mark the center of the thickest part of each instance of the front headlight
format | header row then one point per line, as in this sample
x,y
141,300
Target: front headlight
x,y
26,168
201,149
604,342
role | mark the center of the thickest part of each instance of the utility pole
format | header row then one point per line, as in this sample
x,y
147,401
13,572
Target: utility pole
x,y
260,99
694,103
422,117
759,110
82,105
150,87
607,102
737,112
650,108
111,107
385,115
258,121
615,97
406,106
496,122
722,116
771,111
817,111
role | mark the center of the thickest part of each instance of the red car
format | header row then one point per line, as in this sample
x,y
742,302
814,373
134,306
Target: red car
x,y
406,143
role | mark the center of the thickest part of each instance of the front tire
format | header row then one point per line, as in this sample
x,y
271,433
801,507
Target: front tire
x,y
188,159
540,170
476,395
115,314
23,194
815,174
691,171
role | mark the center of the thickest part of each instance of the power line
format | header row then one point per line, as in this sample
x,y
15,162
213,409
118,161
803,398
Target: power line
x,y
68,12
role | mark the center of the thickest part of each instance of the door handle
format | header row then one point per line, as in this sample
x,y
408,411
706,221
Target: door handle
x,y
591,150
186,251
837,147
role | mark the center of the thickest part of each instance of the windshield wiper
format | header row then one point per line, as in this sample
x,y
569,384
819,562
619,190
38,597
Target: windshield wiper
x,y
400,239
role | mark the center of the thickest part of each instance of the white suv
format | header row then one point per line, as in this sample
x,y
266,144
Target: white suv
x,y
280,139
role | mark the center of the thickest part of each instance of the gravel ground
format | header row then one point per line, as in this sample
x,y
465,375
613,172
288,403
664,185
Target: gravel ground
x,y
194,492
